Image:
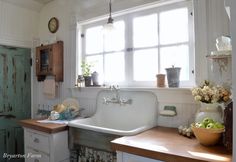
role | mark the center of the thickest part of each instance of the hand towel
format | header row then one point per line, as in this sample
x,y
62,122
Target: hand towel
x,y
49,88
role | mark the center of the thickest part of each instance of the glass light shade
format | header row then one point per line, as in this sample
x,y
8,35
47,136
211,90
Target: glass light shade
x,y
108,29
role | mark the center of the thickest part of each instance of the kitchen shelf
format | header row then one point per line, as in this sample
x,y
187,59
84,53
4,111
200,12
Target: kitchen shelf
x,y
218,56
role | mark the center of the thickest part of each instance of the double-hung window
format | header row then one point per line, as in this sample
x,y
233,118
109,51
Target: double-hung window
x,y
144,43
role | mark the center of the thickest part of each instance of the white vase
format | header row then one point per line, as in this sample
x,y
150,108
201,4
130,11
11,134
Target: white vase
x,y
210,110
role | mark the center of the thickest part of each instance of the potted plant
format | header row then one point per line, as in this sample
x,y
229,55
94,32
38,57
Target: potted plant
x,y
86,72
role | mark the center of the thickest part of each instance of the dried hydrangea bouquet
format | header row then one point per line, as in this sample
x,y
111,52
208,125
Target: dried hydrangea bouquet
x,y
212,98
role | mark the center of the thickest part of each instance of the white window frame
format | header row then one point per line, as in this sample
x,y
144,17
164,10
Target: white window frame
x,y
127,16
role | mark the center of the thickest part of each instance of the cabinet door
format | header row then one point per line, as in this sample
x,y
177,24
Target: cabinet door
x,y
38,141
57,60
33,155
43,60
135,158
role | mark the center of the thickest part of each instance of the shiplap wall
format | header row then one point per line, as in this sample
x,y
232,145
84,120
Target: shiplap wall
x,y
18,25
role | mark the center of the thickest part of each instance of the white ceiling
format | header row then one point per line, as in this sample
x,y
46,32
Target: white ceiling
x,y
85,9
88,9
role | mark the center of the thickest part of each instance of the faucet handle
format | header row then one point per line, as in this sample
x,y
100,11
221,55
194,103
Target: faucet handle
x,y
105,101
115,87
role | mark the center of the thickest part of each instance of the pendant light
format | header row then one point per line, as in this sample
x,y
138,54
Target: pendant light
x,y
109,27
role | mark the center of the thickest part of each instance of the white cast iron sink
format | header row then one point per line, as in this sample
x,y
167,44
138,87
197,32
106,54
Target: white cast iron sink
x,y
123,120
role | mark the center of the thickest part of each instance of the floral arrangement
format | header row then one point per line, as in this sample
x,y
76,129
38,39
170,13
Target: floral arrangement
x,y
209,93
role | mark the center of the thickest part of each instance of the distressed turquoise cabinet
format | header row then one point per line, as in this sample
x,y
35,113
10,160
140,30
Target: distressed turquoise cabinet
x,y
15,99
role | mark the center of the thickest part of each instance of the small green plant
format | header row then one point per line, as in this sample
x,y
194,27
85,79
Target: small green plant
x,y
86,68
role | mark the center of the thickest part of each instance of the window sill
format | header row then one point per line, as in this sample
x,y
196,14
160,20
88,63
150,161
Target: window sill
x,y
165,95
135,88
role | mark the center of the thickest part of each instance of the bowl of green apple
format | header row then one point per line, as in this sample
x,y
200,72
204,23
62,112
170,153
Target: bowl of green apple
x,y
208,131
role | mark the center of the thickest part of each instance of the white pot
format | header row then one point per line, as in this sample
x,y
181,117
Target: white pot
x,y
211,110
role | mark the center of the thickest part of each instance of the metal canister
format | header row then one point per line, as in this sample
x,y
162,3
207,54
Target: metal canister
x,y
173,75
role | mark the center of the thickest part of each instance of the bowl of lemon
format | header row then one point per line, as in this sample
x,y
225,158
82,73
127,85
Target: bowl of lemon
x,y
208,131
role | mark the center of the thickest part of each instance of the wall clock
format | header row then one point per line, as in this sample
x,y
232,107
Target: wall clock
x,y
53,25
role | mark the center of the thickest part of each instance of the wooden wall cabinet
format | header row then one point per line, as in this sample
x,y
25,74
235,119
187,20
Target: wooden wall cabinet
x,y
49,61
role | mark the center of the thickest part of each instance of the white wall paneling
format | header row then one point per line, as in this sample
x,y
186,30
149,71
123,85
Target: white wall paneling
x,y
73,30
185,115
201,44
34,94
211,21
18,25
218,22
64,33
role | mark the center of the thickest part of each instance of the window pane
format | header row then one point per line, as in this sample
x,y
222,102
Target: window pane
x,y
177,56
145,31
97,65
114,67
94,40
145,65
116,40
174,26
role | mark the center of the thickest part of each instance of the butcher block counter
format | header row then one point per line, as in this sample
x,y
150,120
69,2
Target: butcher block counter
x,y
43,127
167,145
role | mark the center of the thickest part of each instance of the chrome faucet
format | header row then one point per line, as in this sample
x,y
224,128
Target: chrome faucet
x,y
117,99
116,90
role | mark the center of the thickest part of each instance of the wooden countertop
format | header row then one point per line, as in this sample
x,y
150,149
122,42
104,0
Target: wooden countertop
x,y
43,127
167,145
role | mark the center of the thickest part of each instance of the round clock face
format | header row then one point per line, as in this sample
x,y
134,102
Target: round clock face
x,y
53,25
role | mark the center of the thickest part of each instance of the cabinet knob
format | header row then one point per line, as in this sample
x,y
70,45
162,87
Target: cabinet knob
x,y
36,140
37,60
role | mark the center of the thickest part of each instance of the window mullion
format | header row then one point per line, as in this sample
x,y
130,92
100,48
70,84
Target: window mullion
x,y
129,53
103,59
83,40
191,45
158,43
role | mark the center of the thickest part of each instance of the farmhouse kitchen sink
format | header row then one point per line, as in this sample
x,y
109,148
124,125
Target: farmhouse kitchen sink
x,y
121,113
